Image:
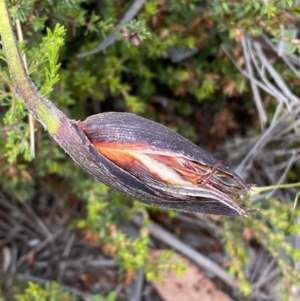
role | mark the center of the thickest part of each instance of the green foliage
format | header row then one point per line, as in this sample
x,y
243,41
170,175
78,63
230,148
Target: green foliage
x,y
17,129
132,254
20,10
258,17
270,227
51,43
50,292
110,297
135,29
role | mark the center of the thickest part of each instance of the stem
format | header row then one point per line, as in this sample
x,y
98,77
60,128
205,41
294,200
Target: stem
x,y
70,135
39,106
257,190
30,117
66,132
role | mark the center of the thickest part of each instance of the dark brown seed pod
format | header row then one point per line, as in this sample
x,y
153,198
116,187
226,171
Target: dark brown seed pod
x,y
162,167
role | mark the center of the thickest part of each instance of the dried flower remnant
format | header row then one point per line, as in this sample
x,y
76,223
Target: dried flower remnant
x,y
132,36
178,174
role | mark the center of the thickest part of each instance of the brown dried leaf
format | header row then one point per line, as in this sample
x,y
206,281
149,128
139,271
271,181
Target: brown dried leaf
x,y
238,35
193,285
289,18
248,234
229,89
129,277
222,124
109,250
87,279
178,28
26,175
30,258
91,237
241,61
113,230
180,91
12,172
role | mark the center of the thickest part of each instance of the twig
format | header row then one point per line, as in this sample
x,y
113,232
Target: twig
x,y
6,259
14,208
258,265
261,71
260,296
177,56
46,231
275,75
284,57
107,263
137,287
266,275
263,86
15,224
273,130
281,180
130,14
9,236
214,230
256,94
40,246
201,260
278,111
254,150
62,265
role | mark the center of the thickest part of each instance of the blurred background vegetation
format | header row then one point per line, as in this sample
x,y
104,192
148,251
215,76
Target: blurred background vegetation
x,y
224,74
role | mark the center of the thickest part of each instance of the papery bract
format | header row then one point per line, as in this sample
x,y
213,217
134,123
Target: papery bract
x,y
179,174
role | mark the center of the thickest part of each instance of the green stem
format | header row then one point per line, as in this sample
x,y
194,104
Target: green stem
x,y
41,107
257,190
66,132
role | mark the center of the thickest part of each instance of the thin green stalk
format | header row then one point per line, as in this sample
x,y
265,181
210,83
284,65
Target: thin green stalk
x,y
258,190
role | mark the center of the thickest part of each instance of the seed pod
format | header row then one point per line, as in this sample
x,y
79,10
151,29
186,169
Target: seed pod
x,y
164,168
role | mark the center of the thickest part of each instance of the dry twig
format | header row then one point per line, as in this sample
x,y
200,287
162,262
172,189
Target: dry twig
x,y
130,14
